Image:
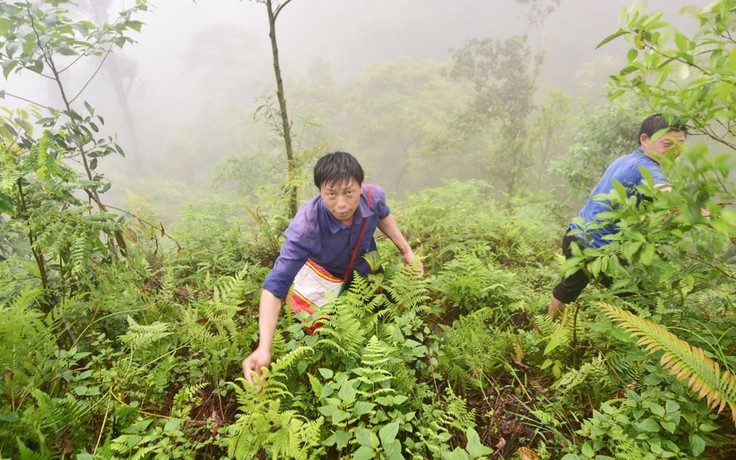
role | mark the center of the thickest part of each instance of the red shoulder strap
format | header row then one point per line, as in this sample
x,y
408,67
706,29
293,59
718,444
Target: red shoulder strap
x,y
360,236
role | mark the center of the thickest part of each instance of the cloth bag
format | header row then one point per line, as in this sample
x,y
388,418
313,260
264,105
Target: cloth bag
x,y
314,286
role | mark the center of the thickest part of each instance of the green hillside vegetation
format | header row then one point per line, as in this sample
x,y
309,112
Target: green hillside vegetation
x,y
123,337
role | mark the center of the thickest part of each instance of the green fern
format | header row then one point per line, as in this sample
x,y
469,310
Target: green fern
x,y
53,416
264,425
626,367
455,412
591,382
139,336
408,291
687,363
365,298
474,349
343,331
372,372
23,335
185,399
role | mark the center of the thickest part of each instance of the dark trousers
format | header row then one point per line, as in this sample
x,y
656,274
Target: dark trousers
x,y
569,288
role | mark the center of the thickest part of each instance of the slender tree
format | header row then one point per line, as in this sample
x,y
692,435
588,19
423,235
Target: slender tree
x,y
274,8
40,189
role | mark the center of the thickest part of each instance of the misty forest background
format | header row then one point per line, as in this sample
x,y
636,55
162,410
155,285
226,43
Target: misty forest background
x,y
149,166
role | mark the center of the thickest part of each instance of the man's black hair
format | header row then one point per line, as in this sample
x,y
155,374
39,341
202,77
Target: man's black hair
x,y
337,168
657,122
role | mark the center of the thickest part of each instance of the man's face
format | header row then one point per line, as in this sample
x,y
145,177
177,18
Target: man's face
x,y
668,143
341,199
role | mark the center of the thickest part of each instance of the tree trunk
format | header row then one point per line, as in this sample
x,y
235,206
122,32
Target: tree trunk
x,y
285,125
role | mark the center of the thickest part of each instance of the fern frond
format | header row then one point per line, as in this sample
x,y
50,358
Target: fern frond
x,y
185,399
408,290
80,250
274,385
372,372
140,335
687,363
315,384
58,413
623,366
456,413
361,290
263,424
343,331
23,333
376,353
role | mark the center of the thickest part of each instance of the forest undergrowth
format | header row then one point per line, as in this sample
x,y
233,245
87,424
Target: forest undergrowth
x,y
142,358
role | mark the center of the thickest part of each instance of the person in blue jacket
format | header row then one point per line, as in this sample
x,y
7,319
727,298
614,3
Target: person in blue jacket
x,y
657,137
331,231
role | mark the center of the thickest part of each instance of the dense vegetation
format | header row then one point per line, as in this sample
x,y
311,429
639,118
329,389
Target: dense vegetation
x,y
122,338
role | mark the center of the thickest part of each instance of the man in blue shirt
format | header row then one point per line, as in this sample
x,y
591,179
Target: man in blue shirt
x,y
657,137
326,230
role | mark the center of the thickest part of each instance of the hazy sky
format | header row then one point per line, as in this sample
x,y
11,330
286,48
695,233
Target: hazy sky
x,y
350,35
187,52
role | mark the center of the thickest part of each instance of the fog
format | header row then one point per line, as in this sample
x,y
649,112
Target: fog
x,y
209,62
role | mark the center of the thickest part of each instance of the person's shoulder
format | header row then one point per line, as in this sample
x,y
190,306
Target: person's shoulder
x,y
307,217
376,191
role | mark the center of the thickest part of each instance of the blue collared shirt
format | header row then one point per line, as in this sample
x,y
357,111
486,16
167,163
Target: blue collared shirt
x,y
315,233
626,171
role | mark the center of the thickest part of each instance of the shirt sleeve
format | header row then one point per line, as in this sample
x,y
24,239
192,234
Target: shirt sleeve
x,y
658,176
378,202
301,239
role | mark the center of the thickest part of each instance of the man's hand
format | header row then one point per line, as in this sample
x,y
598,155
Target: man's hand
x,y
255,362
556,308
409,257
389,228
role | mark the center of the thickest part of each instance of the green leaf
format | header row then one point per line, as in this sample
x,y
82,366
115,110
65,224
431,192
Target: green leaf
x,y
339,415
647,255
326,373
342,438
613,36
400,399
708,427
457,454
347,392
682,42
327,411
587,450
135,25
474,447
629,249
672,406
5,25
364,453
632,54
669,426
732,61
362,408
132,440
8,67
393,451
648,424
655,408
172,425
388,433
11,417
697,444
366,438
